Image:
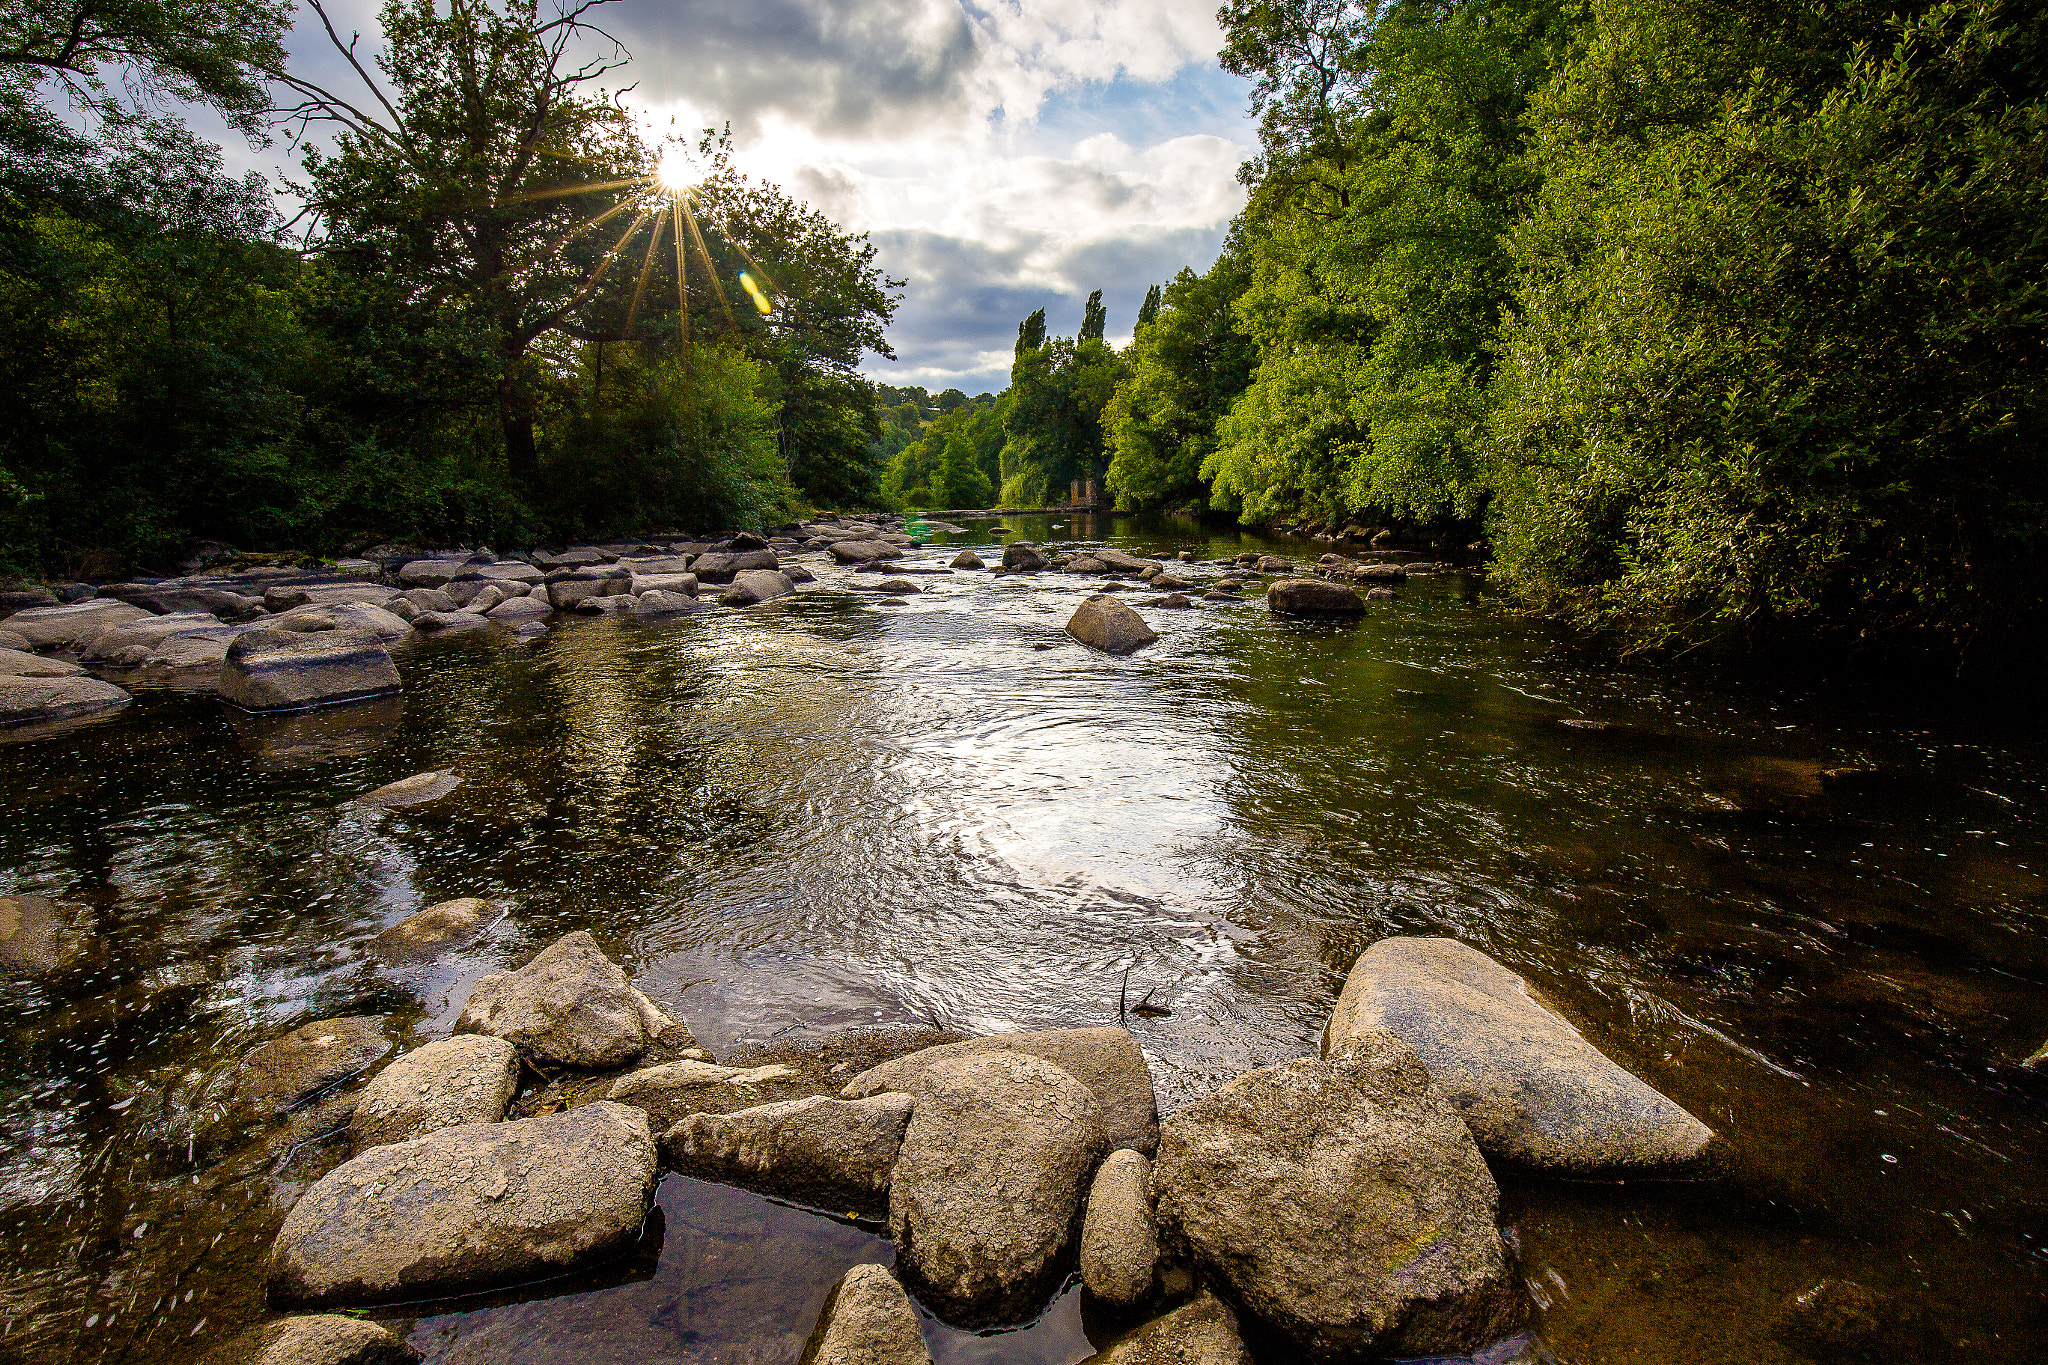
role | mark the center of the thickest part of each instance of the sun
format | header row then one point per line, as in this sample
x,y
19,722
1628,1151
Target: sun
x,y
675,171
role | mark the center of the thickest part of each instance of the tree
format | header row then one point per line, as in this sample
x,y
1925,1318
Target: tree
x,y
1094,318
1052,421
1148,311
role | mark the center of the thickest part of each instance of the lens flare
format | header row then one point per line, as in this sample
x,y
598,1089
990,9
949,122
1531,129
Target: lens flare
x,y
754,291
675,172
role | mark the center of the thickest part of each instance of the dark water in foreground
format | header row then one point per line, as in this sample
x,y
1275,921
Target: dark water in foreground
x,y
826,812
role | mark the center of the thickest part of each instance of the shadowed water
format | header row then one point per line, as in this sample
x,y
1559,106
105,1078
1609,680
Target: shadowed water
x,y
826,812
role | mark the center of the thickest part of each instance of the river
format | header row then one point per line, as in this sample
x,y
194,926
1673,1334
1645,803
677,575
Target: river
x,y
826,812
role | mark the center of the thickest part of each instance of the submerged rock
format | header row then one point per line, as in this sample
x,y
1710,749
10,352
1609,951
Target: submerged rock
x,y
468,1207
1201,1332
572,1006
284,670
315,1339
868,1320
1021,556
427,932
452,1081
1344,1203
1106,1060
287,1071
1106,624
1530,1086
983,1196
416,790
1313,597
32,700
836,1154
1119,1242
40,936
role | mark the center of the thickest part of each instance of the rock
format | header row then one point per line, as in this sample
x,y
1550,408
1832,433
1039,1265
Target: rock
x,y
315,1339
18,663
967,559
1393,573
1530,1086
1173,601
660,602
572,1006
24,598
318,616
682,584
756,585
2036,1058
1084,564
453,622
39,936
673,1091
747,540
427,932
760,557
430,573
864,551
1119,1243
73,626
453,1081
283,598
983,1197
1201,1332
519,610
799,574
1125,563
1343,1203
1313,597
416,790
1219,595
1106,624
1021,556
835,1154
1840,1320
896,587
420,600
487,596
468,1207
14,640
285,1072
567,587
284,670
1380,594
147,631
33,700
1106,1060
168,598
867,1320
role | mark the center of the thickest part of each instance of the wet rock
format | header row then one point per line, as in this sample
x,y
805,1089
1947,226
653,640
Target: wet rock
x,y
369,616
864,551
758,558
747,540
675,1090
867,1320
2037,1058
567,587
660,602
37,700
1380,594
835,1154
1382,573
756,585
486,597
1313,597
1202,1332
468,1207
453,622
287,1071
519,610
986,1186
1083,564
315,1339
432,930
469,1079
896,587
1106,1060
1840,1320
1119,1243
967,559
18,663
1021,556
1221,595
72,626
1344,1203
1173,601
1531,1087
571,1006
416,790
39,936
284,670
1108,625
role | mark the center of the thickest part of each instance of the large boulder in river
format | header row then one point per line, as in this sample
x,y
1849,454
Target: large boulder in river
x,y
1106,624
429,931
1119,1241
967,559
1313,597
288,1071
867,1320
1530,1086
313,1339
318,616
285,670
1021,556
1106,1060
32,700
24,597
75,625
836,1154
986,1186
571,1006
756,585
517,611
567,587
431,573
1202,1331
1343,1203
659,602
452,1081
147,630
466,1208
18,663
864,551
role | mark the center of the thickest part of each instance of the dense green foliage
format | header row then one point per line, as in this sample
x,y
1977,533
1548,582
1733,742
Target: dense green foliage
x,y
484,338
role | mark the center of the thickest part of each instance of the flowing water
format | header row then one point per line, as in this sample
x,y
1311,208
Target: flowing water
x,y
826,812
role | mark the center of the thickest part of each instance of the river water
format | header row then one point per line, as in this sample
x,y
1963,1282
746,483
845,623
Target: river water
x,y
826,812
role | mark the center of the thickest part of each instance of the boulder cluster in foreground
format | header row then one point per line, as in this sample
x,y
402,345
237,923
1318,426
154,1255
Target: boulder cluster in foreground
x,y
1343,1202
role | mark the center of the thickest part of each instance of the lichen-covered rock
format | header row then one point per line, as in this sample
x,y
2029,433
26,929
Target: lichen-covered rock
x,y
285,670
1119,1242
836,1154
867,1320
571,1006
1343,1203
287,1071
19,663
429,931
369,616
1106,1060
983,1198
467,1208
1200,1332
448,1082
675,1090
315,1339
1106,624
1313,597
1529,1085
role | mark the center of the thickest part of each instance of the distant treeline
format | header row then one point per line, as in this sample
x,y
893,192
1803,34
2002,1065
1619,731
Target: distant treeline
x,y
1724,322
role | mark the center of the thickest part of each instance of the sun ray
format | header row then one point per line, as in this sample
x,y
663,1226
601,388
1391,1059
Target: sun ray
x,y
710,268
682,278
646,268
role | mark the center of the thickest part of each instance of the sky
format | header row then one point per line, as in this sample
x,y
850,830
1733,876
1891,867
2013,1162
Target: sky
x,y
1002,156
